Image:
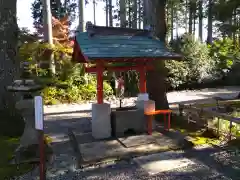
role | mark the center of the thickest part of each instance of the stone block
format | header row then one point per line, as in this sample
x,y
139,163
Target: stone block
x,y
147,106
123,120
30,135
101,121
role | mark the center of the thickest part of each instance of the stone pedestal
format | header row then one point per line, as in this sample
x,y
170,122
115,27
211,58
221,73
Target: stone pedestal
x,y
147,106
30,135
127,119
101,121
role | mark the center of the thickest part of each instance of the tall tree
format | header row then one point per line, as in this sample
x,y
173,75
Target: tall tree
x,y
67,7
210,22
122,13
94,12
191,14
9,63
186,15
110,13
155,78
226,13
107,13
81,15
172,19
200,19
134,19
140,13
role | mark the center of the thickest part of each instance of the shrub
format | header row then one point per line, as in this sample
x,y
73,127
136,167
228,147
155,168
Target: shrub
x,y
74,93
225,55
227,58
78,88
196,67
70,83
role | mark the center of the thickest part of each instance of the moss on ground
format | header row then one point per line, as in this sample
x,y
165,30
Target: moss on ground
x,y
197,135
7,148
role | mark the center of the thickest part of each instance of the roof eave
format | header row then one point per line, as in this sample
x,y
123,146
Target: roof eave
x,y
121,59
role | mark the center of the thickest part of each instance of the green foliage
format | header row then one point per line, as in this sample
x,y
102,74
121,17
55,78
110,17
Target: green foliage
x,y
58,10
78,88
224,12
75,92
225,55
197,65
70,84
10,171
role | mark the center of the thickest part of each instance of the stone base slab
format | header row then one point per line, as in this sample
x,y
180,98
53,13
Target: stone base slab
x,y
133,141
112,150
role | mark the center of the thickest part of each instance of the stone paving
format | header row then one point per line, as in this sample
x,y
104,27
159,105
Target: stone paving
x,y
122,148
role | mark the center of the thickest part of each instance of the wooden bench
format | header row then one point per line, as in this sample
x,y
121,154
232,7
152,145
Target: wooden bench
x,y
151,114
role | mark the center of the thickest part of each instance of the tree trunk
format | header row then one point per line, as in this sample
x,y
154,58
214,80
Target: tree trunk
x,y
176,22
186,15
200,18
190,22
194,18
129,14
9,63
107,13
122,13
145,13
235,25
81,16
58,4
210,23
156,78
134,23
110,14
172,21
139,14
94,12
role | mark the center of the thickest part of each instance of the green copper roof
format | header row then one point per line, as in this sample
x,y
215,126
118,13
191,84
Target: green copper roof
x,y
119,45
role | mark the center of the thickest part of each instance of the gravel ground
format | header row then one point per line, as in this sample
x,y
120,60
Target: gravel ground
x,y
209,164
212,169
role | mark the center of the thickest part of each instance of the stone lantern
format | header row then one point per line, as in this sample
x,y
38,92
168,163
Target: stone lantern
x,y
26,88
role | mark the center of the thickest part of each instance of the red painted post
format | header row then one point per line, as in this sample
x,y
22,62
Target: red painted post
x,y
42,156
99,83
169,121
164,120
149,124
142,85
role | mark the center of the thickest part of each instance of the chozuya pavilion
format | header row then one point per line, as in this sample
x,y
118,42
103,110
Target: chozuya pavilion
x,y
102,49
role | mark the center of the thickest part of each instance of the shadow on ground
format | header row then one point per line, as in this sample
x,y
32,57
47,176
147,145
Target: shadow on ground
x,y
210,163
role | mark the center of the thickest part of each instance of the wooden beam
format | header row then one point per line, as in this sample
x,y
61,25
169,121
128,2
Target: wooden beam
x,y
99,70
118,69
136,59
142,80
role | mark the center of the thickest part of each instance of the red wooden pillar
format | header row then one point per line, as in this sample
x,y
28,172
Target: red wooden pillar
x,y
99,83
142,85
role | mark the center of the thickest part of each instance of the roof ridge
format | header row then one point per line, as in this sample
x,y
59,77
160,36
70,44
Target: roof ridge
x,y
102,30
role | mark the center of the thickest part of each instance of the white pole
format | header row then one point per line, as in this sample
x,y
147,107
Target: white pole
x,y
47,21
47,25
